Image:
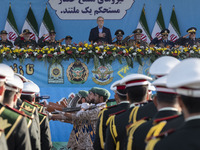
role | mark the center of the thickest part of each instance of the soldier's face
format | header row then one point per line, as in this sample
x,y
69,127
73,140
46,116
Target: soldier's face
x,y
137,36
68,41
4,37
26,36
96,99
192,35
91,97
100,22
119,37
165,36
52,36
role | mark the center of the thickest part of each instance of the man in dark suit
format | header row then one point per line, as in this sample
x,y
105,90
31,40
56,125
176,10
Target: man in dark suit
x,y
100,34
186,137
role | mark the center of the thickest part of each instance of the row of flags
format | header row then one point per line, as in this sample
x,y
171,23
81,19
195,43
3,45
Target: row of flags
x,y
47,25
159,26
30,23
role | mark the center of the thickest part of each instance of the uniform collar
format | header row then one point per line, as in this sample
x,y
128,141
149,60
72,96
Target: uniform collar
x,y
133,105
168,108
192,118
124,102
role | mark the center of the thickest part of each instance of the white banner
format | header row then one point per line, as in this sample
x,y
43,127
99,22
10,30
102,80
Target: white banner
x,y
90,9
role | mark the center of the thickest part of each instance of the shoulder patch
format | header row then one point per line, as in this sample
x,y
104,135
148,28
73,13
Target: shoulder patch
x,y
30,103
165,119
16,110
119,112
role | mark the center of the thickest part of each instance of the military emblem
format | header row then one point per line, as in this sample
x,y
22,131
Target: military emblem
x,y
103,75
77,73
56,74
4,123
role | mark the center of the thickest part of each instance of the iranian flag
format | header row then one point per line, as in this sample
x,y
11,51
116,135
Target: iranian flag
x,y
159,25
174,27
144,26
46,25
31,24
11,26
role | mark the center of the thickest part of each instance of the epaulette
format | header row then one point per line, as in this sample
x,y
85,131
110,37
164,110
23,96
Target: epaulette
x,y
108,107
25,113
30,103
145,119
162,135
119,112
16,110
165,119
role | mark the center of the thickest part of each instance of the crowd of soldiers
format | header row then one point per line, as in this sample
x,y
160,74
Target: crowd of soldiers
x,y
132,120
102,35
24,123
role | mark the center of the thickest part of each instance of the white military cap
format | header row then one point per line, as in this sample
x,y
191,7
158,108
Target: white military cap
x,y
185,77
163,65
116,84
21,77
14,84
30,88
151,87
161,85
135,80
6,73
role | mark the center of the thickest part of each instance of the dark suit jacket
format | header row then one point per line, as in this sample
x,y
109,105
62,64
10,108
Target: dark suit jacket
x,y
94,35
185,138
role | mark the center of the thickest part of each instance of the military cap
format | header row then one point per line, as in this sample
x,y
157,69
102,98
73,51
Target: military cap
x,y
135,80
26,31
138,30
119,88
68,37
161,85
185,77
192,29
30,88
93,90
21,77
4,32
6,73
14,84
52,31
151,87
163,65
103,92
83,93
119,32
165,31
113,87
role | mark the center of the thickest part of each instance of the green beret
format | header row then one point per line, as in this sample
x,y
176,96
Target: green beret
x,y
83,93
103,92
93,90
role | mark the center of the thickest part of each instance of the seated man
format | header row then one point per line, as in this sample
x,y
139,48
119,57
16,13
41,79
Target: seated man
x,y
163,42
68,40
51,42
4,41
100,33
24,41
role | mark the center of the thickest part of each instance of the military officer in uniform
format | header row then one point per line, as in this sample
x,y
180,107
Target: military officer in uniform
x,y
191,40
14,121
4,41
123,105
119,36
137,41
49,43
136,89
163,42
185,79
24,41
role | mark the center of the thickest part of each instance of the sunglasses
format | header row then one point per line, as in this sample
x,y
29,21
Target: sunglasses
x,y
192,33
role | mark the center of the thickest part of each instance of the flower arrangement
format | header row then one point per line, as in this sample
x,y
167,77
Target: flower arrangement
x,y
100,54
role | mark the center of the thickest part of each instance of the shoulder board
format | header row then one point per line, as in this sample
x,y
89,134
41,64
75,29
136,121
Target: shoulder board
x,y
108,107
26,112
39,104
165,119
119,112
16,110
42,113
162,135
30,103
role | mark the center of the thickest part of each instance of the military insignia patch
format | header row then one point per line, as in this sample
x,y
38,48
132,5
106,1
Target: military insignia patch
x,y
4,123
103,75
77,73
56,74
